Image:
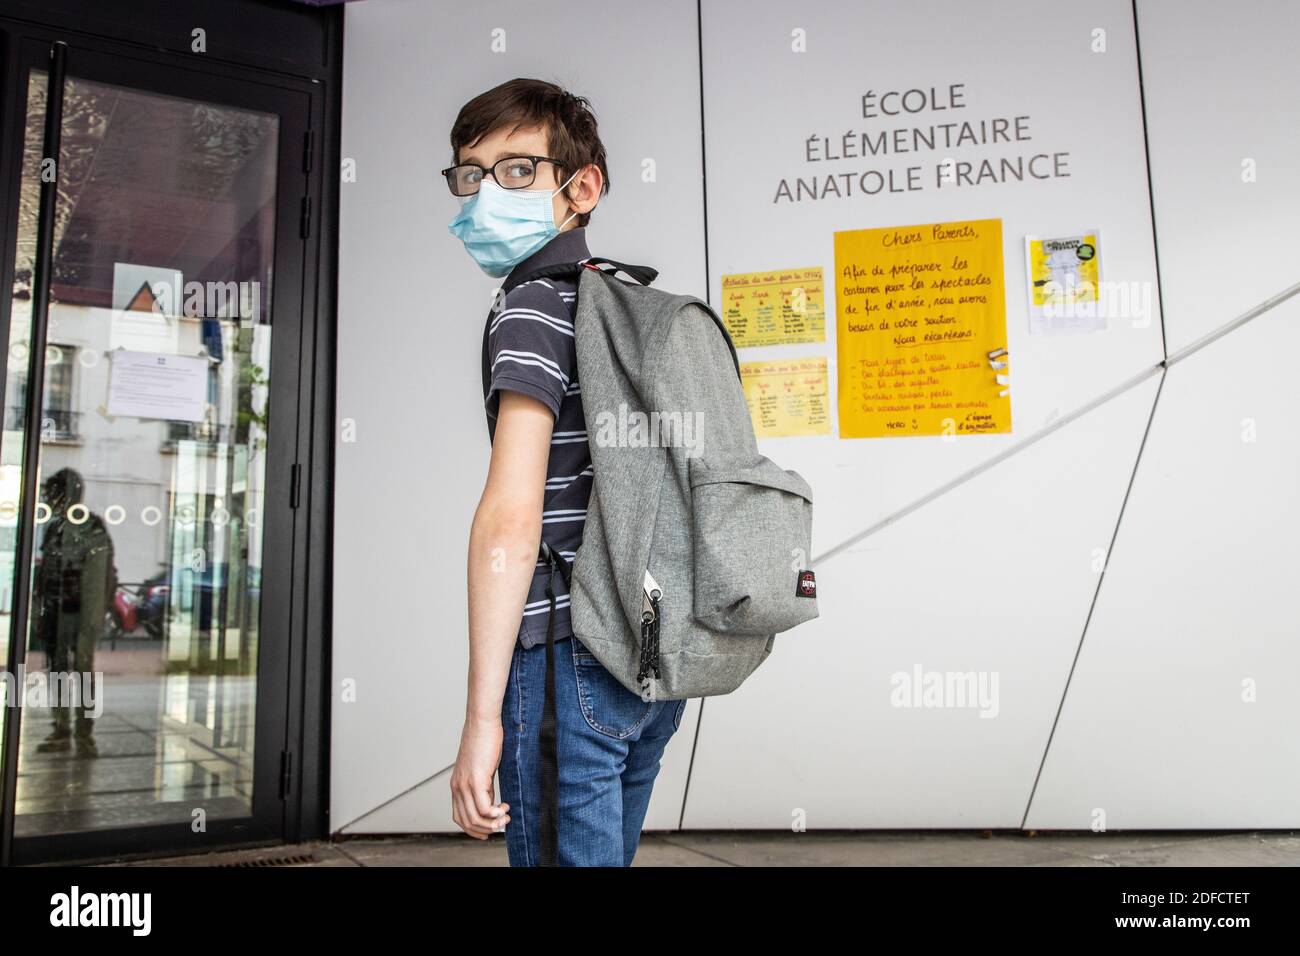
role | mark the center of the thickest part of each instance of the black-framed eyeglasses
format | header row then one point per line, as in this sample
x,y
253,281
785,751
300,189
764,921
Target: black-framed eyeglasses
x,y
510,172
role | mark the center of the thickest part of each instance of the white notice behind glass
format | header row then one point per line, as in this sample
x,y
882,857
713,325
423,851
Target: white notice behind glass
x,y
155,385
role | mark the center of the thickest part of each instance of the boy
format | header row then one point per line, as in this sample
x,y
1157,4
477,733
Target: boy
x,y
526,156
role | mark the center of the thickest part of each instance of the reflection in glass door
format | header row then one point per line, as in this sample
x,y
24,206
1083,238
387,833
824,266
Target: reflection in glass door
x,y
147,554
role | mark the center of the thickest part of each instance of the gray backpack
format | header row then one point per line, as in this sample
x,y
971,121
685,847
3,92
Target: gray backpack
x,y
695,551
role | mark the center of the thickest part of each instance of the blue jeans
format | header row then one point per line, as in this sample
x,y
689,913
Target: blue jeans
x,y
608,745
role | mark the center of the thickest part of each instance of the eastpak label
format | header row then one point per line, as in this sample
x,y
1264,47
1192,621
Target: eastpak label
x,y
807,586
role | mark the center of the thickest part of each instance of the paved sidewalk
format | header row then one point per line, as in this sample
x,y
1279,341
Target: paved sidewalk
x,y
825,848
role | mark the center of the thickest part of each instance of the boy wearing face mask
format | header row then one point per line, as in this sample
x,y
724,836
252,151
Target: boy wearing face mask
x,y
526,156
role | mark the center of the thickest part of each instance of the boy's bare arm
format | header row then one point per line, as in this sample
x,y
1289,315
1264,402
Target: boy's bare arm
x,y
503,545
503,542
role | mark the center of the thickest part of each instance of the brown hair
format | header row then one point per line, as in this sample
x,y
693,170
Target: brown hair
x,y
568,121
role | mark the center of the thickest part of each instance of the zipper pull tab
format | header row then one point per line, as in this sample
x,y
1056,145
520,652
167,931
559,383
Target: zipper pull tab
x,y
651,594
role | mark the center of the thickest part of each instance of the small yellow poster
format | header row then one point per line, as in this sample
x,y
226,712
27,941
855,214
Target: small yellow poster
x,y
787,398
774,308
921,323
1064,283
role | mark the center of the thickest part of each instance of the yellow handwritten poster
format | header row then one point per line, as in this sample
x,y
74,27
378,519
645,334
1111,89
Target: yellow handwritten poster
x,y
787,398
921,324
774,308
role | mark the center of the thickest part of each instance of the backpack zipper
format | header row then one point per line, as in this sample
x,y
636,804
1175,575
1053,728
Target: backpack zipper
x,y
650,596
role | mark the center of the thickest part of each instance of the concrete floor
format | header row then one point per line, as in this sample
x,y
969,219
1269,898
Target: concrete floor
x,y
828,848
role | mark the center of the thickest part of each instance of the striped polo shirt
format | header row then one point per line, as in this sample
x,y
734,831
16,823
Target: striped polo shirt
x,y
531,350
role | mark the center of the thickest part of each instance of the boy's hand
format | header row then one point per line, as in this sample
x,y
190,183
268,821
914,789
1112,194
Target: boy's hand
x,y
472,806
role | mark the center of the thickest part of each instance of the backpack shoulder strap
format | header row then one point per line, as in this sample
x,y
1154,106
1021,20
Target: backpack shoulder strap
x,y
642,274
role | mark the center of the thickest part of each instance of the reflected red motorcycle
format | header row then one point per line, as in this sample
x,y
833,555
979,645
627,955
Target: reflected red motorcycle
x,y
141,606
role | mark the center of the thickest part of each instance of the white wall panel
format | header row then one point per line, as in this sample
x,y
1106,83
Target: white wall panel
x,y
1198,605
411,311
995,576
1031,58
1222,84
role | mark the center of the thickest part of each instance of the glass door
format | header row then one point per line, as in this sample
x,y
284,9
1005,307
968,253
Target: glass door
x,y
162,321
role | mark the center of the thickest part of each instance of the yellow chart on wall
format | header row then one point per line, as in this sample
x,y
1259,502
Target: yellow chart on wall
x,y
787,398
774,308
921,323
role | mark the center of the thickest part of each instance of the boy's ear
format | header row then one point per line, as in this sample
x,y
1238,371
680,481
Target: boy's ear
x,y
585,179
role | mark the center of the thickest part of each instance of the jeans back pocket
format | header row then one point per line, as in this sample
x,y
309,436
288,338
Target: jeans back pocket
x,y
607,706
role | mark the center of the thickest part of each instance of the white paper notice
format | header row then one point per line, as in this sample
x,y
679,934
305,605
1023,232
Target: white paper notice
x,y
155,385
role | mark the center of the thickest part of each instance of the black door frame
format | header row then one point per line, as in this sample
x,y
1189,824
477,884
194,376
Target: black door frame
x,y
291,769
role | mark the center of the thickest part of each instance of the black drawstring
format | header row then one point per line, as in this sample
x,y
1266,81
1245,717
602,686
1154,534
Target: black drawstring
x,y
549,771
549,827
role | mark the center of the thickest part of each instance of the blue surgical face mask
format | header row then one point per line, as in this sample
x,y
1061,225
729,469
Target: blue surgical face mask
x,y
502,227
